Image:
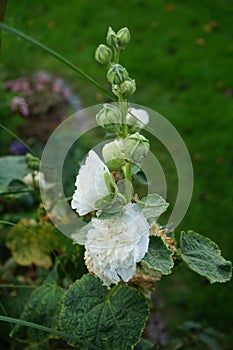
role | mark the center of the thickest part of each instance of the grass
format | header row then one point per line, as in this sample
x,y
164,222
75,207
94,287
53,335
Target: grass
x,y
182,67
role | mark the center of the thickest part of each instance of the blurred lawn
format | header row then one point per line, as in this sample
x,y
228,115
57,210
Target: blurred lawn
x,y
181,56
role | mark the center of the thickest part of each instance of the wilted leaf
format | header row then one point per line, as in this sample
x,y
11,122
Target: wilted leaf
x,y
107,319
158,257
29,244
204,257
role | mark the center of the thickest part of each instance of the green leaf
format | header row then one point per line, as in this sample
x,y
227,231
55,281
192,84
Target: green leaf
x,y
153,206
107,319
204,257
158,257
11,168
43,308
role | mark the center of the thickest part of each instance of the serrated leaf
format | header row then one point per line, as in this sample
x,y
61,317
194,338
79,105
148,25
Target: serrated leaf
x,y
204,257
158,257
43,307
153,206
107,319
11,168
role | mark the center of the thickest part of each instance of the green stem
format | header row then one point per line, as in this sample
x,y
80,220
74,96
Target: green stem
x,y
3,4
43,328
128,181
15,136
124,109
117,56
122,197
55,54
127,167
17,286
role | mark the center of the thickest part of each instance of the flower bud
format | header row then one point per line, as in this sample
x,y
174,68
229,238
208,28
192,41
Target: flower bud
x,y
130,87
127,89
117,74
111,37
123,36
136,147
33,163
103,54
38,181
108,116
113,154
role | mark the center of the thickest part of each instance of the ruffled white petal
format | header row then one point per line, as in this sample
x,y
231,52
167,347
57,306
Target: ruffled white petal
x,y
115,245
91,185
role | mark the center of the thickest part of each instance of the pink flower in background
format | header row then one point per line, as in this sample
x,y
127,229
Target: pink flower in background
x,y
66,93
56,87
38,93
19,104
17,85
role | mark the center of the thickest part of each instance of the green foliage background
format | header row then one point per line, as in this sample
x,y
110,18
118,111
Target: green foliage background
x,y
186,79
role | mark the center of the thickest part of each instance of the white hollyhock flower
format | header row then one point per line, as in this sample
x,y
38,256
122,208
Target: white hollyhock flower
x,y
95,186
114,245
137,117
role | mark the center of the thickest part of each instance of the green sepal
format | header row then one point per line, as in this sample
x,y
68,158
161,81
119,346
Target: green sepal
x,y
204,257
108,319
106,201
115,164
158,257
109,181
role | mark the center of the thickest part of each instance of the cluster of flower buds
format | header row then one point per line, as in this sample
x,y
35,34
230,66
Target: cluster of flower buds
x,y
117,75
33,163
130,147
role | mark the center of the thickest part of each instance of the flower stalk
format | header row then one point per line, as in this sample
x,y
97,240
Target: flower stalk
x,y
117,238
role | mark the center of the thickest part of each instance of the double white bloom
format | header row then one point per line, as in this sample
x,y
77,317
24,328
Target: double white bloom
x,y
115,244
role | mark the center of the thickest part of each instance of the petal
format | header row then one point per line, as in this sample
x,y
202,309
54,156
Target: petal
x,y
90,183
140,116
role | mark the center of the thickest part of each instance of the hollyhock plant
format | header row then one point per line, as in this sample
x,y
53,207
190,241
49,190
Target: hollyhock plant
x,y
125,248
116,239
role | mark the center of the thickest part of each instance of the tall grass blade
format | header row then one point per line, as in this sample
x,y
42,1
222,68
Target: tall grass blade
x,y
55,54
